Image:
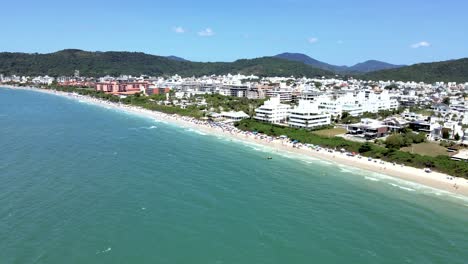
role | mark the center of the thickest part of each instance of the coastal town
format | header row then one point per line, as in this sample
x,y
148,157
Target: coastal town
x,y
222,132
415,124
367,110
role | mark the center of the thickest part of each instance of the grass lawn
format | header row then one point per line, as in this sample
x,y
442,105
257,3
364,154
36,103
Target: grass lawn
x,y
330,132
426,112
427,148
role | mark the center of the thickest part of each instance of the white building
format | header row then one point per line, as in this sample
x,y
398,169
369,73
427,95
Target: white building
x,y
307,115
234,116
43,80
272,111
356,103
285,94
411,116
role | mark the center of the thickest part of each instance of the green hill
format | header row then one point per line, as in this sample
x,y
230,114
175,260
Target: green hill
x,y
65,62
446,71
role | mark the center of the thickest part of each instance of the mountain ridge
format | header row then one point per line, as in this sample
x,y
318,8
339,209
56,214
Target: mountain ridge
x,y
363,67
429,72
98,63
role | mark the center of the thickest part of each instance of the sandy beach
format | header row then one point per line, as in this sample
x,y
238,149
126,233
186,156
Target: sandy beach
x,y
455,185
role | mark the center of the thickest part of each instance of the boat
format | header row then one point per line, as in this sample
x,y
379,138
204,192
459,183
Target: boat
x,y
269,158
427,170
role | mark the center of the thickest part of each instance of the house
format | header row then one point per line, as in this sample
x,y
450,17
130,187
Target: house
x,y
433,129
368,128
395,124
441,109
411,116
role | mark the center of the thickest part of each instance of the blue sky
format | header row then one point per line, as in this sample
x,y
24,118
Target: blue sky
x,y
335,31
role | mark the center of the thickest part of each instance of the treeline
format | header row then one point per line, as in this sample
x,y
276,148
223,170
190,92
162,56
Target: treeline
x,y
405,139
97,64
391,154
218,103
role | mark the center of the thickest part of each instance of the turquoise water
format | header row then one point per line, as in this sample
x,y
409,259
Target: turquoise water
x,y
84,184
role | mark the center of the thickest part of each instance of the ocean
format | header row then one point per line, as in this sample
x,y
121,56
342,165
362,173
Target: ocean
x,y
81,183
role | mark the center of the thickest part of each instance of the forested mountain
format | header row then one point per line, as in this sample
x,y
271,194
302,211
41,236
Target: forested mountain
x,y
113,63
447,71
372,65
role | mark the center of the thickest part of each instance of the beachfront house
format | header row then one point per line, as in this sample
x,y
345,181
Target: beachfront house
x,y
307,115
272,111
431,128
368,129
395,124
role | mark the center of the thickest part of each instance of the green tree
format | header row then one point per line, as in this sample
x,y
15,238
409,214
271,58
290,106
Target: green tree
x,y
344,115
394,141
391,86
445,133
446,100
366,147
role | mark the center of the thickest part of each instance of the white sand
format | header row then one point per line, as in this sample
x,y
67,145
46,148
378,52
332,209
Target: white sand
x,y
435,180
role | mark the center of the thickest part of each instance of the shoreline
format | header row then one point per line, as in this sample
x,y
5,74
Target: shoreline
x,y
436,180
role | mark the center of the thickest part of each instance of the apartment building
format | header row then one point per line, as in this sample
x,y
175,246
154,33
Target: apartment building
x,y
307,115
272,111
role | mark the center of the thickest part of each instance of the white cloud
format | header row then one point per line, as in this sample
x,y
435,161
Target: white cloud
x,y
422,44
207,32
312,40
179,29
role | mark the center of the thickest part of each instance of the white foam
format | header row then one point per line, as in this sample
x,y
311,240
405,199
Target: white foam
x,y
346,170
371,179
463,198
104,251
160,121
195,131
145,128
402,187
